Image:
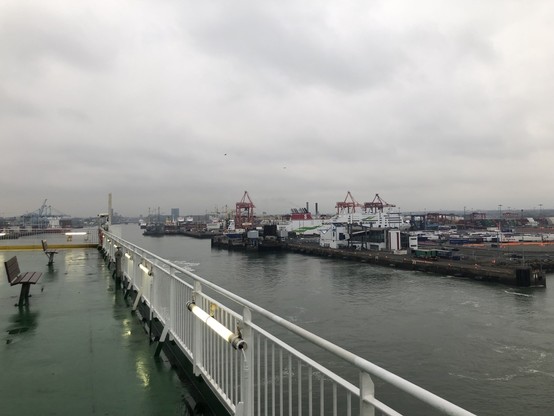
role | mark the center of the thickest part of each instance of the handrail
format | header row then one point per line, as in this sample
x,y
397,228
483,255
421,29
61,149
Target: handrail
x,y
362,364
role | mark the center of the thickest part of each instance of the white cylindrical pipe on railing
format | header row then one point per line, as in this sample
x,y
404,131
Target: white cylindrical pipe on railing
x,y
145,269
221,330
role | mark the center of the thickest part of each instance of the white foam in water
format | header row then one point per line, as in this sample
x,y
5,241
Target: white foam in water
x,y
186,265
518,294
471,302
533,371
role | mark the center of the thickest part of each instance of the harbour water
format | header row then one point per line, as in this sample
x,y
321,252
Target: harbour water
x,y
487,348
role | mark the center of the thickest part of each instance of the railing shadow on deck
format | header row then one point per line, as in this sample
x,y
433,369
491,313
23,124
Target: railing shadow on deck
x,y
262,373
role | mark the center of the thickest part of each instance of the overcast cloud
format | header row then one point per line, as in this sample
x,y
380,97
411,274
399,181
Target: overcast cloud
x,y
182,104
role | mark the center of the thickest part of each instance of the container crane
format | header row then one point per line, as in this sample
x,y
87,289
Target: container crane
x,y
347,206
377,205
244,212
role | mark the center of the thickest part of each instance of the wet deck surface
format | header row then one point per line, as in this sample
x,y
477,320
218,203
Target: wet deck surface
x,y
77,349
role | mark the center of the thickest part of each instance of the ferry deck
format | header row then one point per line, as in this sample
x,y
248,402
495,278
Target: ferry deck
x,y
77,348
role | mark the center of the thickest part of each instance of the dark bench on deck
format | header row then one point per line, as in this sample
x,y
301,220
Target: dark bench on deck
x,y
15,277
49,253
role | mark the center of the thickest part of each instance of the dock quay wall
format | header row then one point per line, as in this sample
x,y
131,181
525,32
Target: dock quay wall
x,y
199,234
509,274
505,275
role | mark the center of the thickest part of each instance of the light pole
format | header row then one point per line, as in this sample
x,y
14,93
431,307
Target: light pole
x,y
500,224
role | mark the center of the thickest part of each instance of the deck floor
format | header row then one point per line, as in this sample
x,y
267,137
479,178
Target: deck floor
x,y
77,349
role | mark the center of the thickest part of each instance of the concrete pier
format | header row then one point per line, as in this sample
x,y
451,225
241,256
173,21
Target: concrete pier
x,y
482,265
510,275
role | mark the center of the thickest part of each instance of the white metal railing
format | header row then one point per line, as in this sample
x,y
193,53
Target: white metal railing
x,y
268,376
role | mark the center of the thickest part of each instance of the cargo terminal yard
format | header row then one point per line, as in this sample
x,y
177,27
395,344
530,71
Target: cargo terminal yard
x,y
511,250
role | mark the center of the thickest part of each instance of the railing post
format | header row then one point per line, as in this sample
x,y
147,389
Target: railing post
x,y
153,303
136,273
129,272
247,382
197,346
112,244
118,267
168,315
367,392
172,301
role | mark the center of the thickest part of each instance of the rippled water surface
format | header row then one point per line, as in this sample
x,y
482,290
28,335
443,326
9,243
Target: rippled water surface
x,y
487,348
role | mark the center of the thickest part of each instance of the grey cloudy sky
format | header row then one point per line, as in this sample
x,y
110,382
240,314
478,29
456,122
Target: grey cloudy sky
x,y
431,104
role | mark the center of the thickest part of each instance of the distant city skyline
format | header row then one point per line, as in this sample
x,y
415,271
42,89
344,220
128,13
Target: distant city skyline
x,y
537,210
